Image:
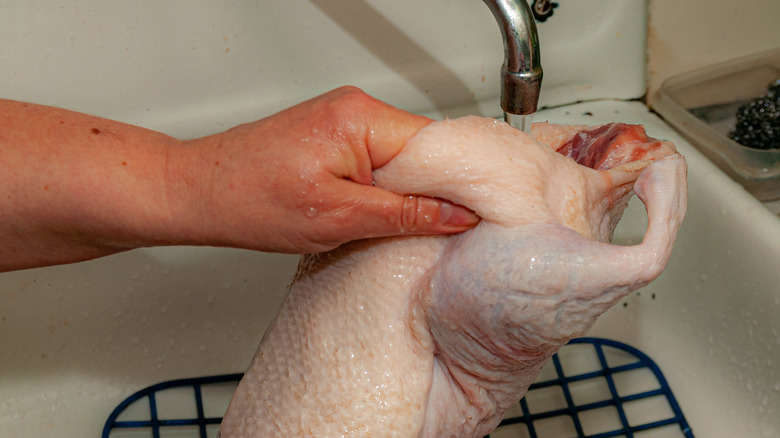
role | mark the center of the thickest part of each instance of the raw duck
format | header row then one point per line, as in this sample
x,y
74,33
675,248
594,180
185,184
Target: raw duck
x,y
438,336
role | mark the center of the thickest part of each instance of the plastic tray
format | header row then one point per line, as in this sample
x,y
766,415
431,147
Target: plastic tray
x,y
702,105
592,388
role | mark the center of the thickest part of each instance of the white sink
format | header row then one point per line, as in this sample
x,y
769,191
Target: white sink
x,y
712,320
79,339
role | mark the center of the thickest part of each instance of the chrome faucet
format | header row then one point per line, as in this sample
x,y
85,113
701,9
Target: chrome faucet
x,y
521,74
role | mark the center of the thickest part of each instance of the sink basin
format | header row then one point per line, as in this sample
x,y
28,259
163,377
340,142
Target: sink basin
x,y
78,339
711,320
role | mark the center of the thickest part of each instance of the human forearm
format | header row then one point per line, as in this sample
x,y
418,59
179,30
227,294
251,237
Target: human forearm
x,y
74,186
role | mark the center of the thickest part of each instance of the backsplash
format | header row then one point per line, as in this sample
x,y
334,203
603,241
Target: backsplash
x,y
190,71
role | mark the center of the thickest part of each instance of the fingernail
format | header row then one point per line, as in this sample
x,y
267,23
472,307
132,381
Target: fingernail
x,y
456,215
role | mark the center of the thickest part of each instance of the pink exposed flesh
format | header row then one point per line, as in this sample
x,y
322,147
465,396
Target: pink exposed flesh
x,y
604,147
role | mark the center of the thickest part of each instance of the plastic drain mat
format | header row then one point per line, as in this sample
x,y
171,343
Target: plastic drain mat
x,y
591,388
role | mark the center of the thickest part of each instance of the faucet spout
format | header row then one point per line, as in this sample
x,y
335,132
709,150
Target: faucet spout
x,y
521,73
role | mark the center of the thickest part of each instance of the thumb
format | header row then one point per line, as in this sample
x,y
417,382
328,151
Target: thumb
x,y
380,213
423,215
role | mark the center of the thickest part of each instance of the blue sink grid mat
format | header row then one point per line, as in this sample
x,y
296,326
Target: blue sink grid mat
x,y
592,388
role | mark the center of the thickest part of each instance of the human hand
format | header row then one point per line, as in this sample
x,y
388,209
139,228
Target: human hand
x,y
301,180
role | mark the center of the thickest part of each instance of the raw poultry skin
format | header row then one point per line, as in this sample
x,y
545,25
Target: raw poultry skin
x,y
437,336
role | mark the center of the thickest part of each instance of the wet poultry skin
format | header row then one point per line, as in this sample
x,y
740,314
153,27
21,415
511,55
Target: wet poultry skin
x,y
437,336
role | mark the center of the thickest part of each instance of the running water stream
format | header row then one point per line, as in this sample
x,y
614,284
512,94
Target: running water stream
x,y
520,121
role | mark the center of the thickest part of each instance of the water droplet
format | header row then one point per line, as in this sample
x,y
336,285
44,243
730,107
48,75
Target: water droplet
x,y
311,212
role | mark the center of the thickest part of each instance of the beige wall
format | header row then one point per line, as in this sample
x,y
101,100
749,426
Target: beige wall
x,y
688,34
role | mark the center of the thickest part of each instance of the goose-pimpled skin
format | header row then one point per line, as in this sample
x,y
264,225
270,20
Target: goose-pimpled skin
x,y
437,336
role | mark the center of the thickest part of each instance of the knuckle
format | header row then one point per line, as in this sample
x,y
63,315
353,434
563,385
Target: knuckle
x,y
353,102
410,214
347,90
350,93
347,114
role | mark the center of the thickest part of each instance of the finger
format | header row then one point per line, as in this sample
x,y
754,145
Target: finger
x,y
389,128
